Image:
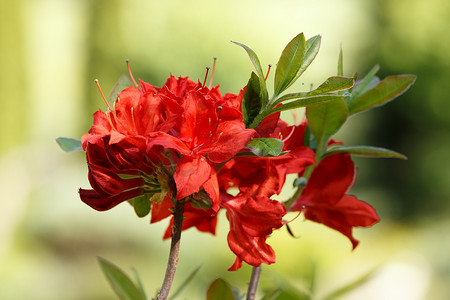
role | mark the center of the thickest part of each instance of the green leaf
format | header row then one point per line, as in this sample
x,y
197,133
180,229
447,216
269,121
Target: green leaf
x,y
289,63
350,287
69,144
259,71
120,282
184,284
121,84
265,146
312,46
325,119
367,151
365,84
220,290
252,102
387,90
340,67
286,294
332,84
307,101
139,282
141,205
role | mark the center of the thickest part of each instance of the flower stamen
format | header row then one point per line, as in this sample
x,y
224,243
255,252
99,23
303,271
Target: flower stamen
x,y
268,70
212,73
131,75
103,96
206,75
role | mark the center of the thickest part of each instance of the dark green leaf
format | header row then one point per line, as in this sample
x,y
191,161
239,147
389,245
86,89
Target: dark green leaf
x,y
69,144
184,284
121,84
252,102
265,146
349,287
120,282
367,151
289,63
307,101
387,90
325,119
220,290
312,46
141,205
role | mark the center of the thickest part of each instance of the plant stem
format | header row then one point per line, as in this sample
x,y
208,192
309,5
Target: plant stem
x,y
253,284
174,250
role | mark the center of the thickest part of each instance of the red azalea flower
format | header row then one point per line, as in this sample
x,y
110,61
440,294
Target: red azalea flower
x,y
252,218
209,134
324,198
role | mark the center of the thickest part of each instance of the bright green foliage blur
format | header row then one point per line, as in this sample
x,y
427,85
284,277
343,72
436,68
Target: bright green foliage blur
x,y
51,51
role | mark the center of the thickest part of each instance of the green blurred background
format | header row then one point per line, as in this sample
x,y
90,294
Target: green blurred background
x,y
52,50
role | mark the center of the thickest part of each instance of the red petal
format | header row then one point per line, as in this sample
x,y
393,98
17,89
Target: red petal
x,y
190,175
328,183
101,203
349,212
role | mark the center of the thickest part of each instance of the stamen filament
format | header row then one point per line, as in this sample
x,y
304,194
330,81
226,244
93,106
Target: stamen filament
x,y
103,96
290,134
268,70
131,75
212,74
206,75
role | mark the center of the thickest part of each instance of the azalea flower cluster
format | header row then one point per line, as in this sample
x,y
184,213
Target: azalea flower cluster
x,y
187,142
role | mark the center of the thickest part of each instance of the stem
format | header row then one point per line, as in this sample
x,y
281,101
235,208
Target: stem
x,y
174,250
253,284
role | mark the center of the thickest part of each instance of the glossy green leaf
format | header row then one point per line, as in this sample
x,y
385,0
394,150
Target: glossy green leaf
x,y
349,287
387,90
265,146
184,284
367,151
289,63
312,47
121,84
220,290
368,82
332,84
325,119
69,144
252,102
141,205
307,101
122,285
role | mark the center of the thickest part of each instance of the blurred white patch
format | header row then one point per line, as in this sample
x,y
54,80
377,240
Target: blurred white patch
x,y
408,278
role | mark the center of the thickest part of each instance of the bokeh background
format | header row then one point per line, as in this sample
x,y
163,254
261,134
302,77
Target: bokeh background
x,y
52,50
